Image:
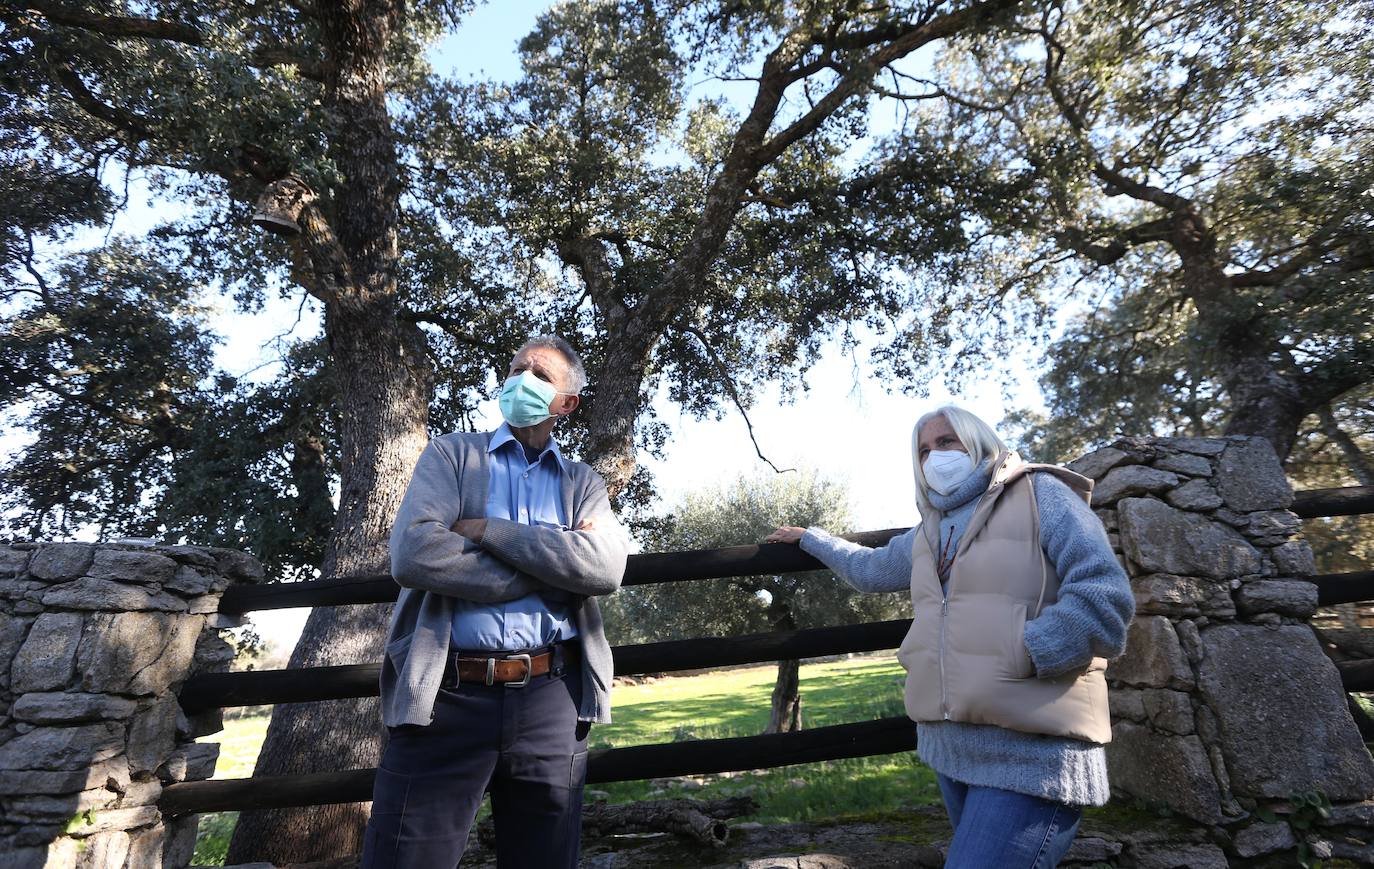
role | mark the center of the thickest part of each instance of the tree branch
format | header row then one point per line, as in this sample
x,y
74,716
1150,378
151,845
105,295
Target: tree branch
x,y
117,27
1076,240
729,384
1359,463
129,122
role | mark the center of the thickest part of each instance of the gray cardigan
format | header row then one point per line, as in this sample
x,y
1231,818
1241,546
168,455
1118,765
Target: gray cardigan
x,y
433,565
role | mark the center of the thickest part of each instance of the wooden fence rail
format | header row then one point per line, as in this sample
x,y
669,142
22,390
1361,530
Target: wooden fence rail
x,y
1343,501
694,757
259,687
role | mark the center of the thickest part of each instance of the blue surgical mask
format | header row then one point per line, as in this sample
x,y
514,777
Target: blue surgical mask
x,y
525,400
946,469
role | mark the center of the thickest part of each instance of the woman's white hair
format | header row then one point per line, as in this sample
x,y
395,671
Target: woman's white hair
x,y
978,438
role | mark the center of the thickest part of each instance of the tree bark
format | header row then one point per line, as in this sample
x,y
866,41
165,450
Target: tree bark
x,y
1358,463
384,382
785,710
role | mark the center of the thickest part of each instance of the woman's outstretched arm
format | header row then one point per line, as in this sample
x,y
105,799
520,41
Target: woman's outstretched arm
x,y
887,568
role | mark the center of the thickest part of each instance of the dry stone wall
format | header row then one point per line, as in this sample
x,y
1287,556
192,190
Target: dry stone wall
x,y
1224,705
95,640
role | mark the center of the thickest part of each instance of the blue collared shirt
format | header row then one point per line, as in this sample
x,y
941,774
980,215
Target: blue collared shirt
x,y
530,494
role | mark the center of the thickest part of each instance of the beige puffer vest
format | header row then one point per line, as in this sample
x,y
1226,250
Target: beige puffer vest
x,y
965,656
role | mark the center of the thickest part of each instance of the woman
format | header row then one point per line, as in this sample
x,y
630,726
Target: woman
x,y
1017,600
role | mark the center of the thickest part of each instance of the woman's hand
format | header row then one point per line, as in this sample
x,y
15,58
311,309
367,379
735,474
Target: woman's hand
x,y
785,534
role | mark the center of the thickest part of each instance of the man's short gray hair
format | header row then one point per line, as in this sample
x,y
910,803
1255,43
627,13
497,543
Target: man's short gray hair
x,y
553,342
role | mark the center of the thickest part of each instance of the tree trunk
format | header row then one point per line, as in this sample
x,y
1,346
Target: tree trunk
x,y
384,383
786,711
1358,463
383,434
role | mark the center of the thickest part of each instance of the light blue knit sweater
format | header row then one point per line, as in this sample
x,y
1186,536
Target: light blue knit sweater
x,y
1095,605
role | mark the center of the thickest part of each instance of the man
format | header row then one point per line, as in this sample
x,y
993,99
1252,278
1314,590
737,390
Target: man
x,y
496,664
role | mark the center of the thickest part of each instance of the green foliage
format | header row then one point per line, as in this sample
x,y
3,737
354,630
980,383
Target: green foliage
x,y
1305,809
744,512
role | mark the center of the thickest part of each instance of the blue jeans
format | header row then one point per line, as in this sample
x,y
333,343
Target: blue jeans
x,y
1004,829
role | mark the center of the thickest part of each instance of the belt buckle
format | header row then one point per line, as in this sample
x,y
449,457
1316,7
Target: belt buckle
x,y
529,668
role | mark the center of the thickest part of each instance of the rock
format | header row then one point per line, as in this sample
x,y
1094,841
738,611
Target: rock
x,y
1126,703
152,735
1130,480
1194,495
1273,526
62,748
136,652
201,758
112,774
13,562
1260,838
44,661
1098,462
1168,595
1161,539
1153,658
238,565
110,596
1172,770
142,793
1249,477
1091,849
116,819
179,838
190,555
1200,446
190,581
12,634
67,708
1292,597
28,858
1358,814
145,848
1267,684
212,653
1294,558
122,565
1185,463
1107,517
56,561
1172,856
1189,639
1169,710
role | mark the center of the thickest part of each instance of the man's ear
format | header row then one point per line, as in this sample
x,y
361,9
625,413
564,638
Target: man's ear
x,y
568,403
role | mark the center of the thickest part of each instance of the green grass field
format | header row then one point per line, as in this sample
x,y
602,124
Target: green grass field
x,y
712,705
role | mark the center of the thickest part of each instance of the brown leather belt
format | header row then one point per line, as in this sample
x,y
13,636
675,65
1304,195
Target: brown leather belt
x,y
514,670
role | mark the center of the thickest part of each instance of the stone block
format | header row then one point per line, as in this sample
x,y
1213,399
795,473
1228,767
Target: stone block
x,y
1273,523
45,660
145,848
1185,463
191,582
1282,714
1249,477
193,555
213,653
1160,768
152,735
1168,595
137,652
1092,849
1194,495
24,858
112,774
13,562
1290,597
1153,657
59,561
60,707
1169,710
179,841
201,758
108,595
1259,839
62,748
1294,558
1356,814
116,819
1180,856
13,630
1131,480
1127,703
1098,462
142,793
237,565
141,566
1161,539
1198,446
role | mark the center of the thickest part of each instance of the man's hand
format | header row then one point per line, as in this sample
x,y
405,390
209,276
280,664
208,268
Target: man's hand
x,y
472,529
785,534
587,524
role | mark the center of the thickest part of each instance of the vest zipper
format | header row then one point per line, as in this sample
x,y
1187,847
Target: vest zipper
x,y
944,695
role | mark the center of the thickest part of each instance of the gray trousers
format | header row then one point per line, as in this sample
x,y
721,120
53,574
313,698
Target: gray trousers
x,y
523,745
